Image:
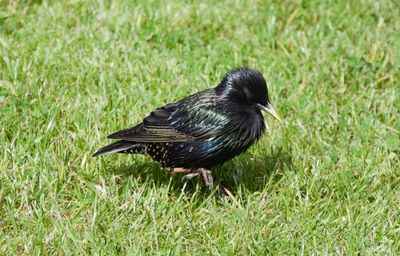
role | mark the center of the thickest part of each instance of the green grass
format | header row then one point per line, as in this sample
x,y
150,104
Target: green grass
x,y
325,181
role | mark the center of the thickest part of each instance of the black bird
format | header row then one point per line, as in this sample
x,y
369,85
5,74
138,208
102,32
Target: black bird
x,y
202,130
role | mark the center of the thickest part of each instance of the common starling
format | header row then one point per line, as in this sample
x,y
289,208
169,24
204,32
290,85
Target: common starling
x,y
202,130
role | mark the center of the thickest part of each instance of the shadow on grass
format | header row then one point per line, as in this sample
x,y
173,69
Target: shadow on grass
x,y
251,174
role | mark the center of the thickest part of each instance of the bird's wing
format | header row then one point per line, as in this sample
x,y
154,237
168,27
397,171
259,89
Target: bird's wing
x,y
197,117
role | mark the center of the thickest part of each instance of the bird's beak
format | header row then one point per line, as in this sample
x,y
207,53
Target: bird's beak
x,y
270,110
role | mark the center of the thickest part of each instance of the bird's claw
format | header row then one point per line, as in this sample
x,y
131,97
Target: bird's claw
x,y
190,176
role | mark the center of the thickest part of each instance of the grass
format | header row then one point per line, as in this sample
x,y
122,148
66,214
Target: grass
x,y
326,181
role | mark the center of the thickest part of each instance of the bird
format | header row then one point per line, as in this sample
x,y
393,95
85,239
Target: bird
x,y
202,130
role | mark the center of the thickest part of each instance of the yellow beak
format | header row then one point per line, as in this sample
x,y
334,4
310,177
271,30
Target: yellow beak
x,y
270,110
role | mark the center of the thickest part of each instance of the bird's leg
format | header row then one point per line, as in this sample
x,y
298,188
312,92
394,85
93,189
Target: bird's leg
x,y
208,179
191,172
179,170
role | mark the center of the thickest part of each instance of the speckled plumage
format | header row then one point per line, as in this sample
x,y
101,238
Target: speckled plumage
x,y
204,129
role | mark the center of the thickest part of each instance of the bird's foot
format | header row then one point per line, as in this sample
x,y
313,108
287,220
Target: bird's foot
x,y
205,173
207,177
190,176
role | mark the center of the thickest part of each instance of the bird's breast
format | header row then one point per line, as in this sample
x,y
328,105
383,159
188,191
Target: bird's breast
x,y
245,130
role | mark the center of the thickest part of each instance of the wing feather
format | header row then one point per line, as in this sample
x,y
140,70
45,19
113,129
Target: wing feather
x,y
197,117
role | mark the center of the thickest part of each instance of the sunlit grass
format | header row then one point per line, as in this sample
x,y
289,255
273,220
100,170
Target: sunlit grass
x,y
325,181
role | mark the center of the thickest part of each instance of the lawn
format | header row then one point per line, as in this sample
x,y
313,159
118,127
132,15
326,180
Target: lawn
x,y
325,181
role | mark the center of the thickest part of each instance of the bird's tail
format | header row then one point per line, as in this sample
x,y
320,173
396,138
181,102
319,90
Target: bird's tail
x,y
122,146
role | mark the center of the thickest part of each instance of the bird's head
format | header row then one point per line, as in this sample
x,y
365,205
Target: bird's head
x,y
245,90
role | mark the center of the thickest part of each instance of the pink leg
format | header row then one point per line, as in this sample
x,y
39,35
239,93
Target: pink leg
x,y
179,170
